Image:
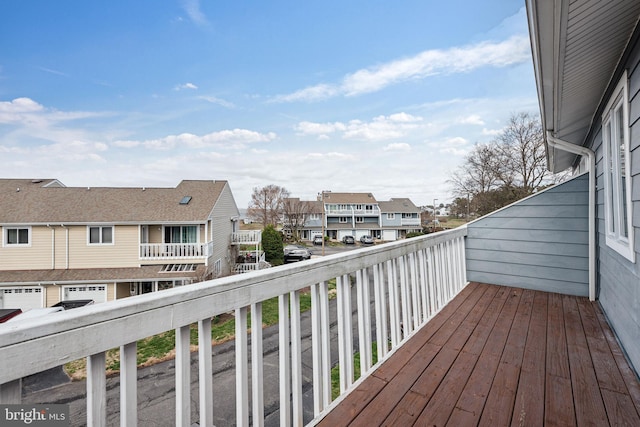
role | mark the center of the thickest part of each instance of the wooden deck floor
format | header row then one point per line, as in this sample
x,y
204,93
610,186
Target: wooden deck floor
x,y
501,356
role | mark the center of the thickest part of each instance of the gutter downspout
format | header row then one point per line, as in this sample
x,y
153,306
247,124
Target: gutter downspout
x,y
66,244
53,246
554,142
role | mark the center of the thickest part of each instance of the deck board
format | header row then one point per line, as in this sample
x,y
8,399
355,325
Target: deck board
x,y
499,356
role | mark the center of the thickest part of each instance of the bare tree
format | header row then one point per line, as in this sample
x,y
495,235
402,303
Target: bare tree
x,y
295,214
510,167
266,204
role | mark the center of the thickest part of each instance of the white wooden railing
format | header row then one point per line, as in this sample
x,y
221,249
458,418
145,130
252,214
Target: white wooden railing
x,y
397,288
173,250
410,221
246,237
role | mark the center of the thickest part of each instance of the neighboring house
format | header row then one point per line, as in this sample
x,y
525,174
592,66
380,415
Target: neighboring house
x,y
360,214
587,68
399,217
62,243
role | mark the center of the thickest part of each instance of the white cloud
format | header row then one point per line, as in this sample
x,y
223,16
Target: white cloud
x,y
379,128
398,146
491,132
192,7
225,139
218,101
185,86
463,59
473,119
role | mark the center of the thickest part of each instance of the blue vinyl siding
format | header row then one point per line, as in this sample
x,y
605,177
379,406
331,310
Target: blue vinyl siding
x,y
618,278
540,243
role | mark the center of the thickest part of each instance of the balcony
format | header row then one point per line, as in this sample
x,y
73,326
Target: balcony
x,y
449,351
410,221
246,237
153,251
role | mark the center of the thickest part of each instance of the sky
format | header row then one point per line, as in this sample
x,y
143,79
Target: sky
x,y
345,96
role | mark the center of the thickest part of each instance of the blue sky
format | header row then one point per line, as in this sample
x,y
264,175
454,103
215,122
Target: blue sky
x,y
348,96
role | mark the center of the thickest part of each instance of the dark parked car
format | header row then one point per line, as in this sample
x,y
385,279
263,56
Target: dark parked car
x,y
73,303
366,240
317,239
348,240
296,253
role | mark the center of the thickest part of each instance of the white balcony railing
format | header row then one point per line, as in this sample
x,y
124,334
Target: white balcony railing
x,y
173,250
246,237
410,221
396,288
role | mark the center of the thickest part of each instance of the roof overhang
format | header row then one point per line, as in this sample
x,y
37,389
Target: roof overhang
x,y
576,46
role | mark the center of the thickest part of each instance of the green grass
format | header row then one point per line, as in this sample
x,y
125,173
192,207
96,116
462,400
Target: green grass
x,y
335,371
160,347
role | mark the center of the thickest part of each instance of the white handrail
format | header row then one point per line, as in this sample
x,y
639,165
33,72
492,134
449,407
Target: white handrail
x,y
412,279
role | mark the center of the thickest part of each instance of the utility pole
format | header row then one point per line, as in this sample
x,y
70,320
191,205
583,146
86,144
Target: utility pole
x,y
434,212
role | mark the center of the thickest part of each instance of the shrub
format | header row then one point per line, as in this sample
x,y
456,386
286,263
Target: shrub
x,y
414,234
272,246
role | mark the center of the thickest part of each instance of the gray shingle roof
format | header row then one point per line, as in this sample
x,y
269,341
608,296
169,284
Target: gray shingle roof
x,y
330,197
402,205
30,202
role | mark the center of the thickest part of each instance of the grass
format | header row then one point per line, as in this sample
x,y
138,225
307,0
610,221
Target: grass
x,y
335,371
162,346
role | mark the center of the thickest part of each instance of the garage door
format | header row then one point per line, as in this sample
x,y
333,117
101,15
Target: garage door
x,y
360,233
23,298
389,235
98,293
342,233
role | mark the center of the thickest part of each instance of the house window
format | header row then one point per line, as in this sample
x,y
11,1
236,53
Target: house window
x,y
181,234
344,219
17,236
100,235
359,219
314,217
617,177
391,216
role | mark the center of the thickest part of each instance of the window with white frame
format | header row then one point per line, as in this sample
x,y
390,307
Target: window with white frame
x,y
391,216
359,219
343,219
314,217
100,235
17,236
617,177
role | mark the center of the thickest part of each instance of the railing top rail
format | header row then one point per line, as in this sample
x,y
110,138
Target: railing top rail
x,y
100,327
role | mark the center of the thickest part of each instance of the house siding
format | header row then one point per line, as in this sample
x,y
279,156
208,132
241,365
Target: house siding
x,y
538,243
222,227
123,253
618,278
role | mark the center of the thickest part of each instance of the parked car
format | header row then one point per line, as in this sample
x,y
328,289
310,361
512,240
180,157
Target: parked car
x,y
317,239
296,253
366,240
73,303
348,240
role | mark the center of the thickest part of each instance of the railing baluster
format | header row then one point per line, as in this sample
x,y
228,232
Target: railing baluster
x,y
394,303
415,292
205,372
242,360
183,380
381,311
423,285
407,325
11,392
316,346
285,361
364,320
128,385
345,335
296,358
96,390
257,366
326,344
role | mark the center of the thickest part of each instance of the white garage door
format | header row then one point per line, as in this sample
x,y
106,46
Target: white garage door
x,y
360,233
342,233
23,298
98,293
389,235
